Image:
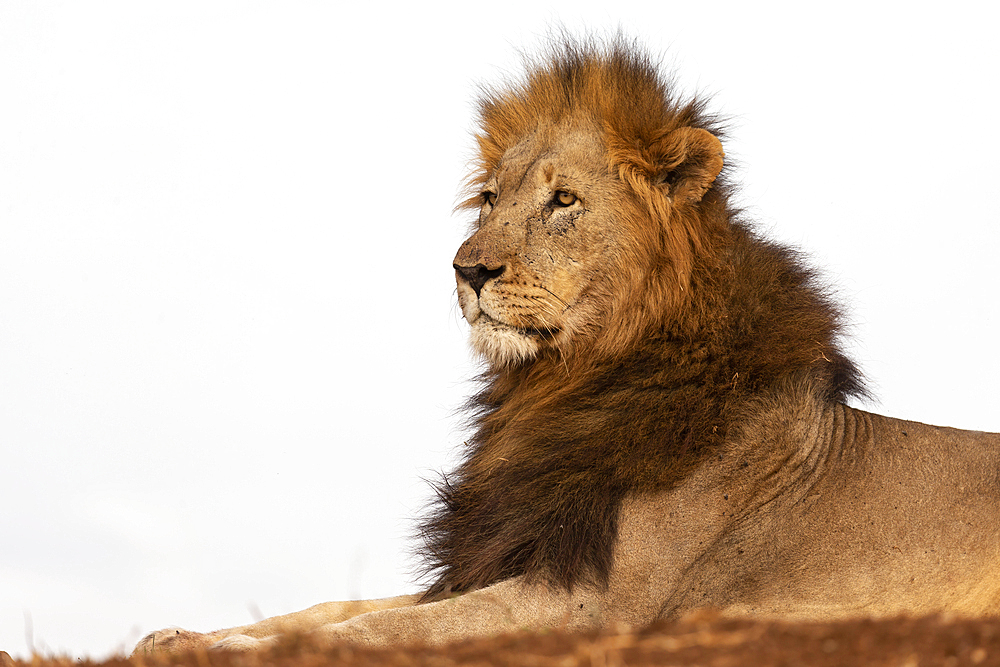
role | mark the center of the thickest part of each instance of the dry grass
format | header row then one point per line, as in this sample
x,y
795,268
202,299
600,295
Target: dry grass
x,y
706,641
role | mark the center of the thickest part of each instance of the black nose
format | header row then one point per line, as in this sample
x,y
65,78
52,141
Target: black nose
x,y
478,275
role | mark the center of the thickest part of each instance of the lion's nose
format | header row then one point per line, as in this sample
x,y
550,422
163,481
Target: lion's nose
x,y
478,275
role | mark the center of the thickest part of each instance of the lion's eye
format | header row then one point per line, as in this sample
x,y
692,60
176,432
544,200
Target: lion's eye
x,y
489,198
564,198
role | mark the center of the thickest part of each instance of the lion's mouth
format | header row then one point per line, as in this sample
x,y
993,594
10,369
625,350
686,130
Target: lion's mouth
x,y
541,333
531,332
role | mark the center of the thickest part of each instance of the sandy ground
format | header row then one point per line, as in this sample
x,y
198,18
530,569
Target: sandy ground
x,y
704,641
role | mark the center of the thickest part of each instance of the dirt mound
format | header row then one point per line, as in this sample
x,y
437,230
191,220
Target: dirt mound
x,y
706,641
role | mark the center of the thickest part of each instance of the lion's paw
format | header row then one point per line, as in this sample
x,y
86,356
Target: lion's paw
x,y
242,643
172,640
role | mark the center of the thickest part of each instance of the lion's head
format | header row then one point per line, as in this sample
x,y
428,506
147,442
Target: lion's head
x,y
574,164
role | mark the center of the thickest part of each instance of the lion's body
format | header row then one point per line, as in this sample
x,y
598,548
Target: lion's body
x,y
662,425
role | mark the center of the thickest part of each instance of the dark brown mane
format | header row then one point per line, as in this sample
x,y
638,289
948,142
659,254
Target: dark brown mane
x,y
562,439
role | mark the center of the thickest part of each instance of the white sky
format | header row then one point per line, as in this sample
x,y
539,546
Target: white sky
x,y
229,345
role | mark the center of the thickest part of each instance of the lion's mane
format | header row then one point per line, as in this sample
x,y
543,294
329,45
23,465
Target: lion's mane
x,y
712,319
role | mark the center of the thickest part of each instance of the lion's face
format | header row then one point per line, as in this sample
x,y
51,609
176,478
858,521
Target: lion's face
x,y
534,274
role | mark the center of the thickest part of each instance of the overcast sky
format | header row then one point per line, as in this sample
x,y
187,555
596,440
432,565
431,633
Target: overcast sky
x,y
229,346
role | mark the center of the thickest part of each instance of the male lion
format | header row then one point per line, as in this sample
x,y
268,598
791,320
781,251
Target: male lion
x,y
662,424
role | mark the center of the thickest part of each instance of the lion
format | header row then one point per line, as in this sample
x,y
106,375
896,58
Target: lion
x,y
662,424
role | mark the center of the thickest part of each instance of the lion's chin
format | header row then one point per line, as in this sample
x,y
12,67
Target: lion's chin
x,y
503,344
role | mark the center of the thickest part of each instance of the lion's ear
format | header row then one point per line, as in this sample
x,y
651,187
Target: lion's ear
x,y
688,161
